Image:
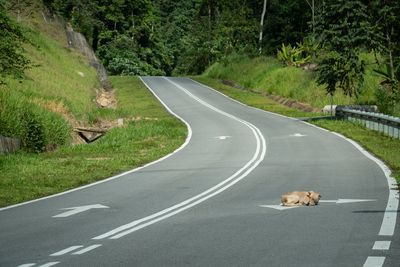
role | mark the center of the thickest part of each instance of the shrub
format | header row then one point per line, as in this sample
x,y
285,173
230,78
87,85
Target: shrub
x,y
38,128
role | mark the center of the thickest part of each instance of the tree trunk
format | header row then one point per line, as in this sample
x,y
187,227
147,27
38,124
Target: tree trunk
x,y
391,65
262,25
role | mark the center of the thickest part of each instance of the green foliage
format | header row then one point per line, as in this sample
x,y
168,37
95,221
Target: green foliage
x,y
183,36
13,62
286,22
266,76
344,30
34,138
37,128
293,56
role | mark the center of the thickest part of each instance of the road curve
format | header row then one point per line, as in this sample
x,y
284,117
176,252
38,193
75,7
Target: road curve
x,y
209,203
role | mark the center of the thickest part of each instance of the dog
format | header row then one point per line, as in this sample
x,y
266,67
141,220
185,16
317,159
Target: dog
x,y
300,198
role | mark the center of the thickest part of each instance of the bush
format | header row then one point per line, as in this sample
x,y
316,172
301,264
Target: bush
x,y
38,128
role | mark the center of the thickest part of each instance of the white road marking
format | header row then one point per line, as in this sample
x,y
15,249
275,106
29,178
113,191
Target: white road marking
x,y
27,265
374,261
82,251
223,137
76,210
338,201
389,218
278,207
298,135
65,251
345,201
50,264
381,245
230,181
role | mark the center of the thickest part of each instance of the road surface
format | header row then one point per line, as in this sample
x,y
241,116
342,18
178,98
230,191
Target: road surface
x,y
215,201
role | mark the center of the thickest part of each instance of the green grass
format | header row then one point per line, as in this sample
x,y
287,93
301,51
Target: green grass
x,y
56,78
253,99
26,176
267,75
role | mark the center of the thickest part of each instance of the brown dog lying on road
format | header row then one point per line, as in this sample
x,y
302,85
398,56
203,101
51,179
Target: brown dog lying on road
x,y
300,198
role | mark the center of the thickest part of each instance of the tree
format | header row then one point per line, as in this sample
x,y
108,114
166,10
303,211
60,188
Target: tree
x,y
344,30
387,43
12,59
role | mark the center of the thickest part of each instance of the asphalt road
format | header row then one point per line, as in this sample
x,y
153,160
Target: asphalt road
x,y
215,201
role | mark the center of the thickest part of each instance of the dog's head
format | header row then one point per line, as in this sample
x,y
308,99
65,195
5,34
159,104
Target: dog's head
x,y
314,197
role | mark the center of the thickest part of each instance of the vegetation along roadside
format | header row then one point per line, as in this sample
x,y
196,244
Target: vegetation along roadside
x,y
150,131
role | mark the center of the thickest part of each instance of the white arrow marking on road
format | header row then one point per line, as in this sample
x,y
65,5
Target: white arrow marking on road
x,y
75,210
223,137
278,207
344,201
298,135
338,201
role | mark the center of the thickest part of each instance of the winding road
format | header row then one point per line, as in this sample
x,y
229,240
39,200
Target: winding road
x,y
215,201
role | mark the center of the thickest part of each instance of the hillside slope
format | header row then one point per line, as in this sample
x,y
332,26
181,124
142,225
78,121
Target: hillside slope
x,y
267,75
60,93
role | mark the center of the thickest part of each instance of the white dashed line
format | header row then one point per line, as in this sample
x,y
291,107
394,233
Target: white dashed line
x,y
82,251
65,251
381,245
374,262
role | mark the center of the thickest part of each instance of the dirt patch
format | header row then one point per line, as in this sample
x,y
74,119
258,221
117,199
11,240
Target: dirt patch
x,y
293,104
106,99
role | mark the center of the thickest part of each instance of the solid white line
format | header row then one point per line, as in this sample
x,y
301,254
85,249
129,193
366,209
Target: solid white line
x,y
234,100
381,245
374,261
389,219
190,205
50,264
83,251
261,146
189,136
65,251
27,265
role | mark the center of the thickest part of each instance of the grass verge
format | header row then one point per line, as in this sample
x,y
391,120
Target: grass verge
x,y
153,133
253,99
384,147
267,75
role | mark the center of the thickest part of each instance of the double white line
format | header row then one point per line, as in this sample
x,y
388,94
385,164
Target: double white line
x,y
213,191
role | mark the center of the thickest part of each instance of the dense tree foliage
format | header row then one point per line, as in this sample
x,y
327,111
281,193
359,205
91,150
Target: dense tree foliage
x,y
183,36
162,37
343,29
12,60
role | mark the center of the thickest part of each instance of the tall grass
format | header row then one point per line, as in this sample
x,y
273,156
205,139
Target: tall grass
x,y
267,75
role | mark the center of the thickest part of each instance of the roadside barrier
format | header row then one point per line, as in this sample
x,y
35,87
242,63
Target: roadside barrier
x,y
385,124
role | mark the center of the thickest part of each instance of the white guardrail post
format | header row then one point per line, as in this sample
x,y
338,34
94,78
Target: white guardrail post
x,y
385,124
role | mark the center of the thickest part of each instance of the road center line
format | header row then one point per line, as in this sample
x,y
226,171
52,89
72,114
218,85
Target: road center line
x,y
83,251
230,181
374,261
65,251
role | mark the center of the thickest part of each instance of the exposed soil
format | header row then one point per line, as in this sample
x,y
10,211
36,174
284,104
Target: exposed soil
x,y
106,99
